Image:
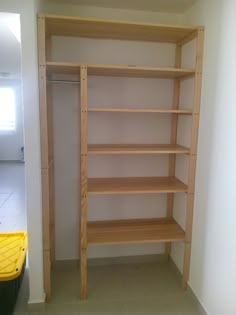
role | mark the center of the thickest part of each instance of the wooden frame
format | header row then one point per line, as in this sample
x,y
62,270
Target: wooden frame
x,y
155,230
193,155
173,139
45,163
83,182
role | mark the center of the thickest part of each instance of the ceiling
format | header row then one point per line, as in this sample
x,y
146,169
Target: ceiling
x,y
10,47
173,6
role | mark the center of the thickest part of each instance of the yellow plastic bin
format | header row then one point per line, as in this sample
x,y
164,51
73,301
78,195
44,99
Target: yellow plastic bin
x,y
13,247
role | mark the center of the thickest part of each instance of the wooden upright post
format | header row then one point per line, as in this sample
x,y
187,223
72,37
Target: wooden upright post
x,y
51,156
51,172
173,139
193,155
44,155
83,182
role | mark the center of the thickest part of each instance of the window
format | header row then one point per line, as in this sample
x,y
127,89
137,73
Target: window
x,y
7,110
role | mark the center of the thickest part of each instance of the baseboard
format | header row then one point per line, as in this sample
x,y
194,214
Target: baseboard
x,y
189,289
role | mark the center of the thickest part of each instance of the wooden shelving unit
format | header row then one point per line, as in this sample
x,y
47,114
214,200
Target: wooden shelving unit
x,y
154,230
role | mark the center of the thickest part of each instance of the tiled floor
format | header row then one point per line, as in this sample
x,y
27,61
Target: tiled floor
x,y
12,197
142,289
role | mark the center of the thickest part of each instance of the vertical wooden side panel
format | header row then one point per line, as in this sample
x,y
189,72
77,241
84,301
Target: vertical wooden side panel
x,y
44,155
193,155
48,52
173,140
51,171
83,182
51,156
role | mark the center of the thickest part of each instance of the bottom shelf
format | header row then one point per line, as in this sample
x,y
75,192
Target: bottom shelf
x,y
134,231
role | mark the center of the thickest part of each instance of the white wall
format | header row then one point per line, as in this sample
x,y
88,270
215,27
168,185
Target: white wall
x,y
109,13
27,10
11,142
213,263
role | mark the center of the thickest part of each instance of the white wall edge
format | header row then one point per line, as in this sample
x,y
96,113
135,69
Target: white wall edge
x,y
39,301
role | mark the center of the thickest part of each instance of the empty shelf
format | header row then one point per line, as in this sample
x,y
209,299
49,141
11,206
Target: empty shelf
x,y
136,71
136,149
142,110
112,29
134,231
126,71
135,185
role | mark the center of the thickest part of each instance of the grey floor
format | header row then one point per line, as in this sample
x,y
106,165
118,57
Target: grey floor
x,y
141,288
144,288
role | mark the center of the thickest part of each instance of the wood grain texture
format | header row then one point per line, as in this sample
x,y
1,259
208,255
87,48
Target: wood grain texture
x,y
141,110
119,71
134,231
173,139
83,274
188,38
136,149
135,185
63,67
136,71
83,181
44,157
51,172
193,155
99,28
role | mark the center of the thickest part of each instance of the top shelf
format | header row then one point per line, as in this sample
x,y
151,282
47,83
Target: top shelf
x,y
110,29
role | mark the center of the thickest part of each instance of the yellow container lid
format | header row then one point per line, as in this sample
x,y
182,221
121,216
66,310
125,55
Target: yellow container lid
x,y
13,247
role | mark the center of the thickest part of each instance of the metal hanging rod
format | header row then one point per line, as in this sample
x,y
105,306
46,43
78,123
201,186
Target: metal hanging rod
x,y
64,81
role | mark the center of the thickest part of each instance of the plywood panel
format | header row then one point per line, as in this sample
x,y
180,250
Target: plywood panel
x,y
136,149
98,28
134,231
124,185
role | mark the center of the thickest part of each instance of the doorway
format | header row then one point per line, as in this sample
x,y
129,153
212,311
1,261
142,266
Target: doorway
x,y
12,174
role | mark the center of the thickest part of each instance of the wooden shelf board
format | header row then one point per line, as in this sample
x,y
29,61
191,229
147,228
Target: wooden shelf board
x,y
136,71
142,110
134,231
137,149
112,29
113,70
63,67
135,185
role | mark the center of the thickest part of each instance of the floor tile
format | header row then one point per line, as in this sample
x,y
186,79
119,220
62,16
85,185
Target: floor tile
x,y
168,304
87,307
